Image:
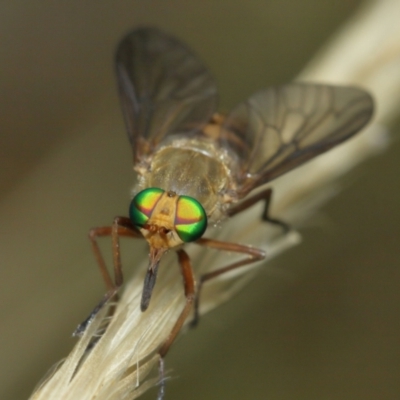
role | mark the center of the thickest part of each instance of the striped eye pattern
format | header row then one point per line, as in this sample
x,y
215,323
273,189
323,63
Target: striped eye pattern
x,y
142,205
190,219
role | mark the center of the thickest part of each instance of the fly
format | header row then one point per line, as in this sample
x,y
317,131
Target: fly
x,y
196,167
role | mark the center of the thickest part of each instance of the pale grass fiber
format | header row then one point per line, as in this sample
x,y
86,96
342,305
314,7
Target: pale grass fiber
x,y
365,53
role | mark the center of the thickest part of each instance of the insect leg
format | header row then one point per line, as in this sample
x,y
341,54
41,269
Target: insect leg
x,y
121,226
253,254
161,372
263,195
189,285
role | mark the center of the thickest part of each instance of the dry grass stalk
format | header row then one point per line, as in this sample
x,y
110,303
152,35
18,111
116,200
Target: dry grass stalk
x,y
364,53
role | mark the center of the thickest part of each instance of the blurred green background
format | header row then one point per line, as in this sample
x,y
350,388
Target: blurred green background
x,y
327,327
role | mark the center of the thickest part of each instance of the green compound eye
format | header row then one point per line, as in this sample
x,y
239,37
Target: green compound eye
x,y
190,219
142,205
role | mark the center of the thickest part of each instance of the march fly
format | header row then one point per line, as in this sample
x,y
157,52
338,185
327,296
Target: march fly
x,y
197,167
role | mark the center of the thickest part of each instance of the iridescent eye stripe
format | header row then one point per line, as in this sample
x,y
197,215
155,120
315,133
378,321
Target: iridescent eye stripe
x,y
188,211
142,205
190,219
147,199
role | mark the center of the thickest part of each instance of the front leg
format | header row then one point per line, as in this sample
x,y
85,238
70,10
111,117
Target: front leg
x,y
121,226
189,287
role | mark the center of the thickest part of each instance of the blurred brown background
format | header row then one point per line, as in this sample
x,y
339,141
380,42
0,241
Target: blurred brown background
x,y
326,328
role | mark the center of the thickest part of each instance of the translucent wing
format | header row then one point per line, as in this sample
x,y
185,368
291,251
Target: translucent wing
x,y
163,87
280,128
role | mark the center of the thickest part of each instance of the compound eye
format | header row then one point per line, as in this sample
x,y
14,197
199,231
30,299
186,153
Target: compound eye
x,y
143,204
190,219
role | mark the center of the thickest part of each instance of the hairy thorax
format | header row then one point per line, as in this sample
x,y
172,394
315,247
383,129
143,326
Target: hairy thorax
x,y
194,168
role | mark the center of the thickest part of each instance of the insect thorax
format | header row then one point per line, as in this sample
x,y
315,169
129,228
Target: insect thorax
x,y
191,171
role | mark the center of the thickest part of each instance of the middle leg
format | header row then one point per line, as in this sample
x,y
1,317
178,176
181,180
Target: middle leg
x,y
253,254
265,195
